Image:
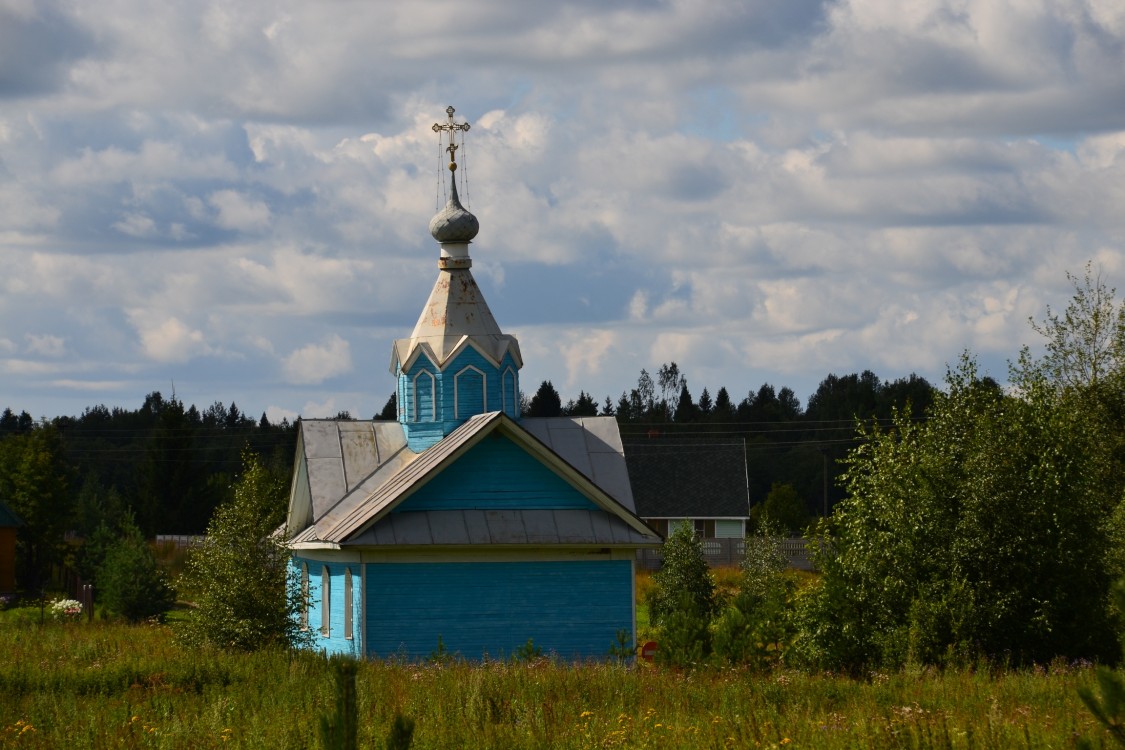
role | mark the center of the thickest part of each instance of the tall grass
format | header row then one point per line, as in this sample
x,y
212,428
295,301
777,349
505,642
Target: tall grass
x,y
100,685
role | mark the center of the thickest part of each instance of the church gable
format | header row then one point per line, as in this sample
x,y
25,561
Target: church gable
x,y
497,474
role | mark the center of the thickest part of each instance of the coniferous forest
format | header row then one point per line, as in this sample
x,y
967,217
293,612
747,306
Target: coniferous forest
x,y
169,465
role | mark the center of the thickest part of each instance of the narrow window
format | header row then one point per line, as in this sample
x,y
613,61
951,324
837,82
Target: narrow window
x,y
348,603
470,392
425,392
325,602
509,402
304,596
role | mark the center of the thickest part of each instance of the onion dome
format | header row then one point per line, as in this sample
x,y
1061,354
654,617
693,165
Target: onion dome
x,y
454,223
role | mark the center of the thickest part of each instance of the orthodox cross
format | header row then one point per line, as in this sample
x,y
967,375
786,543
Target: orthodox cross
x,y
451,127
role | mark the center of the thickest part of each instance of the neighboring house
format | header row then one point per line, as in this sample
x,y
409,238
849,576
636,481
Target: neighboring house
x,y
688,480
460,523
9,523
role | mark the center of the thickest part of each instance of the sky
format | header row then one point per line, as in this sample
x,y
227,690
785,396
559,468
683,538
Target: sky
x,y
230,201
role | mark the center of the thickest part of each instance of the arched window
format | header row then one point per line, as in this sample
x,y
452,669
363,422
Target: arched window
x,y
425,392
469,393
509,394
325,602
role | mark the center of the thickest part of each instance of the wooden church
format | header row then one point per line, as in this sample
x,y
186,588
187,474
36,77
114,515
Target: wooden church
x,y
462,522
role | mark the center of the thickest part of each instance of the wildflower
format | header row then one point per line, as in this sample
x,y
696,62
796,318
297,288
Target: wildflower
x,y
585,714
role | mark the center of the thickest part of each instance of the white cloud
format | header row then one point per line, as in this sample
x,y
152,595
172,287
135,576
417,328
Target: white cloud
x,y
760,191
45,345
168,339
136,225
238,212
316,363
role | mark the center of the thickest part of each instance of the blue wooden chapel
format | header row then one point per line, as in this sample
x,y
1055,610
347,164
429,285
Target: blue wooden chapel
x,y
462,521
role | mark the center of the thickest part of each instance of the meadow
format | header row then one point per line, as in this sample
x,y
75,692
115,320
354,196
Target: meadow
x,y
100,684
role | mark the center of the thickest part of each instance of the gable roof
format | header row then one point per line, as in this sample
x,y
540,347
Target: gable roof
x,y
362,513
688,477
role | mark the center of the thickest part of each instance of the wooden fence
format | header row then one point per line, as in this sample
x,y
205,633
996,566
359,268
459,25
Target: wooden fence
x,y
729,553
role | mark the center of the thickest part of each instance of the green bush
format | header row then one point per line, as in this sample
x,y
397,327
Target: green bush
x,y
130,581
757,626
978,533
684,577
247,595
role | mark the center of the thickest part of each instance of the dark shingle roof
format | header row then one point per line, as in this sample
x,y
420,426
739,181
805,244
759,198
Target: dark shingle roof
x,y
687,477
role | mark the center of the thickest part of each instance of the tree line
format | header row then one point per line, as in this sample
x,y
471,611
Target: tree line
x,y
786,446
167,466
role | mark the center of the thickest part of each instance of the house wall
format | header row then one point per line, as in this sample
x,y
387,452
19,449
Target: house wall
x,y
569,608
336,641
7,559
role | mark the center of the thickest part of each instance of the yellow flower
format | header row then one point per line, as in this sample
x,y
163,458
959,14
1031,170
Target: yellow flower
x,y
584,714
785,740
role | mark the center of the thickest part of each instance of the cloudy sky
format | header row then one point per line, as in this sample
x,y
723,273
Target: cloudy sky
x,y
233,197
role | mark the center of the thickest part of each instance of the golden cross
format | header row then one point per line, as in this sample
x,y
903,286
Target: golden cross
x,y
451,127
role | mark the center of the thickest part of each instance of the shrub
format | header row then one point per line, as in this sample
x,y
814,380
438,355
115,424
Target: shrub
x,y
684,578
66,610
130,581
247,595
757,626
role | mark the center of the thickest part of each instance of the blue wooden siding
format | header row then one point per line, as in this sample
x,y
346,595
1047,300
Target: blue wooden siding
x,y
572,609
425,403
457,394
496,474
335,642
509,387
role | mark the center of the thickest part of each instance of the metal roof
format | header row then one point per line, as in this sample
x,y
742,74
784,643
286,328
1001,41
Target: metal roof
x,y
455,316
351,508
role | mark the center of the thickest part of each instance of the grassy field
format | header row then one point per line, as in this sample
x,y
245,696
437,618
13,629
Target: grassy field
x,y
101,685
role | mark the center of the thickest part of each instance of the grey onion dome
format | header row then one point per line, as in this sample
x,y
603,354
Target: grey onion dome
x,y
454,223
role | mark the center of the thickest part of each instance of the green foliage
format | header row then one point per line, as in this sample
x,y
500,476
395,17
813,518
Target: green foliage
x,y
757,626
623,649
1087,344
682,600
684,634
684,578
81,686
546,402
975,534
35,482
528,652
130,583
784,509
1108,703
401,734
247,595
441,654
339,729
